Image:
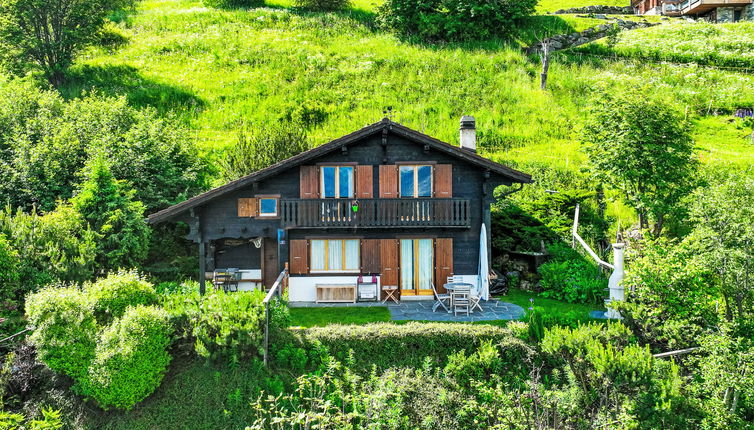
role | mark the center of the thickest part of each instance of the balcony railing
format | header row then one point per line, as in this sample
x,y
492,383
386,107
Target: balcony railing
x,y
375,213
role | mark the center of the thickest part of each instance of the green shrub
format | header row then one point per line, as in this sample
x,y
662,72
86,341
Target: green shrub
x,y
130,359
232,4
50,420
225,326
454,20
536,326
64,329
9,275
322,4
111,296
574,280
386,345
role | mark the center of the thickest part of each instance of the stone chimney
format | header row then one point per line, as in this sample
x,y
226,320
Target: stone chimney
x,y
468,133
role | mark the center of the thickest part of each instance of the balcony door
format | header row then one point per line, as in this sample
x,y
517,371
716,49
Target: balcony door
x,y
417,264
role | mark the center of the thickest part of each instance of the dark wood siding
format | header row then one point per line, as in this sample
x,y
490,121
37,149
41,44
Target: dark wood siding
x,y
364,185
443,177
388,181
389,261
443,262
299,257
370,256
309,184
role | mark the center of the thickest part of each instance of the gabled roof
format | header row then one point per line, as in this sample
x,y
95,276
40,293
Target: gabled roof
x,y
392,127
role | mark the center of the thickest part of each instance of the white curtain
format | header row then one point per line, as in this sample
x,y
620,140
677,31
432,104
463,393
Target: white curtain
x,y
352,254
407,264
425,263
334,255
318,255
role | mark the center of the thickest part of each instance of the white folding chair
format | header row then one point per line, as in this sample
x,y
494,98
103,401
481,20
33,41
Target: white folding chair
x,y
440,299
474,298
461,300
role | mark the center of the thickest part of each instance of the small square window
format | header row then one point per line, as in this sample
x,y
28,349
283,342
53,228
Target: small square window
x,y
268,207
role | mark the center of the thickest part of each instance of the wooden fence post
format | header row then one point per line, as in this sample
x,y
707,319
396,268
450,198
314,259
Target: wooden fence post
x,y
545,64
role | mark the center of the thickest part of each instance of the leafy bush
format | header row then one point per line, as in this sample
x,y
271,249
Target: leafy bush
x,y
387,345
322,4
668,295
454,20
64,329
130,359
536,326
266,146
50,420
224,326
111,296
231,4
50,141
569,276
54,247
9,275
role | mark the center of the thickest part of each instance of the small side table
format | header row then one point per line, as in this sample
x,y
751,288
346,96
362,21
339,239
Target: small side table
x,y
391,292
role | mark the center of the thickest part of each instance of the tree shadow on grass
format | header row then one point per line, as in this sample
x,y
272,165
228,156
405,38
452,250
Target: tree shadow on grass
x,y
140,91
528,31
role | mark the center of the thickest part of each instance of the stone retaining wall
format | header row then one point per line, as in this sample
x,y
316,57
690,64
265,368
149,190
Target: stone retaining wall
x,y
563,41
611,10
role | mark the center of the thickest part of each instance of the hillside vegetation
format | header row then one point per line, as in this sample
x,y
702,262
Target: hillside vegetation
x,y
726,45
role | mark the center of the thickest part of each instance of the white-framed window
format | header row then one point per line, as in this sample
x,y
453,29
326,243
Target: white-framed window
x,y
415,181
334,255
336,182
268,206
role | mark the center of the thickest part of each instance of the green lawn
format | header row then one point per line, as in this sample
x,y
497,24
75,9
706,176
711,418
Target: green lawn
x,y
521,298
320,317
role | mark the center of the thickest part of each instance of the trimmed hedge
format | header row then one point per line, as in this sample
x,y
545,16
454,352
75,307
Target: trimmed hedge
x,y
404,345
112,295
131,358
64,329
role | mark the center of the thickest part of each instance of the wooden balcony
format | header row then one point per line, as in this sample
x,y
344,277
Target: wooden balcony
x,y
375,213
695,7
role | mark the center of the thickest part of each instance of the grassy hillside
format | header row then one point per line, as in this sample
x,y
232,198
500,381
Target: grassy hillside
x,y
220,69
552,5
727,45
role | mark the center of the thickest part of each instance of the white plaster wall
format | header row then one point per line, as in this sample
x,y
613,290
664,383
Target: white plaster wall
x,y
303,288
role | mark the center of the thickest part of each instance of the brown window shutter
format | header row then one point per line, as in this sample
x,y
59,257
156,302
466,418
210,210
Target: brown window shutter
x,y
247,207
443,262
370,256
443,178
389,262
299,253
364,184
388,181
309,185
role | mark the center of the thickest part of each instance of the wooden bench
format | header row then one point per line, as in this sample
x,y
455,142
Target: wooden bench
x,y
336,293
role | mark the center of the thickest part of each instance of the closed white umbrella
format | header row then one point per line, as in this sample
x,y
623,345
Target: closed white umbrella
x,y
484,270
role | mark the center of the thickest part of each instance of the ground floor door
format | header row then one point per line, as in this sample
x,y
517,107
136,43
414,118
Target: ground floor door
x,y
270,266
417,266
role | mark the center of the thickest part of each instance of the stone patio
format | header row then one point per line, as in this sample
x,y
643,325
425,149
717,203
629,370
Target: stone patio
x,y
422,310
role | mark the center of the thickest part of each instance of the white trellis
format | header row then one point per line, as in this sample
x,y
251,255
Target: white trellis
x,y
615,282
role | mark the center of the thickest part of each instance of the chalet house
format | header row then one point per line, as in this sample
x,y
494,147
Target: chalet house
x,y
711,10
384,203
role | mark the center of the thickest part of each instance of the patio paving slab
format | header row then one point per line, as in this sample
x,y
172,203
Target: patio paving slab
x,y
422,311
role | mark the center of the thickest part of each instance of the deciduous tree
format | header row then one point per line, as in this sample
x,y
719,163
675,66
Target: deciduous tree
x,y
640,144
49,33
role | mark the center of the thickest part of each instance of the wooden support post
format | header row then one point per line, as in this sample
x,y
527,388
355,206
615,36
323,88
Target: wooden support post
x,y
545,64
202,267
